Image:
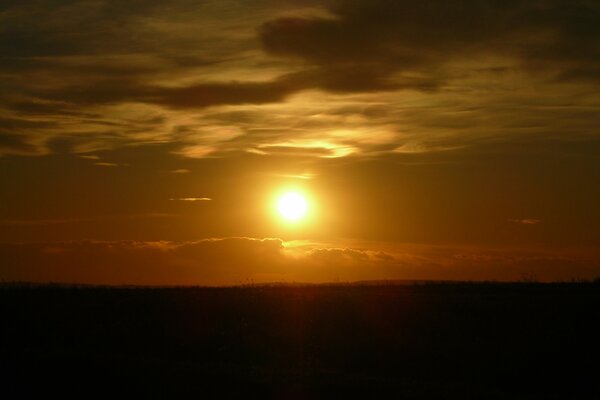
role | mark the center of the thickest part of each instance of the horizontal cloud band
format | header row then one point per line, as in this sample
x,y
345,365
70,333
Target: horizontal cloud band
x,y
230,261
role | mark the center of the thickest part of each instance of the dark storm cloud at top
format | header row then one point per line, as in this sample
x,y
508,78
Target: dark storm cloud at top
x,y
373,39
96,72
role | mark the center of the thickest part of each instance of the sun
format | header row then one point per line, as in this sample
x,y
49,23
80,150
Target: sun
x,y
292,206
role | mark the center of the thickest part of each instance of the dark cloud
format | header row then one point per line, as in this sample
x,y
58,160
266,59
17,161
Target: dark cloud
x,y
206,95
79,76
355,78
369,41
16,144
236,260
364,46
70,27
210,261
108,89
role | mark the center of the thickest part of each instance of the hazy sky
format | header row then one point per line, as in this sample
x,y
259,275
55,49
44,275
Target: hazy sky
x,y
147,141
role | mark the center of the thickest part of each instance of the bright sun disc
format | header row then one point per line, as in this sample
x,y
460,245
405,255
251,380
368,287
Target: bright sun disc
x,y
292,206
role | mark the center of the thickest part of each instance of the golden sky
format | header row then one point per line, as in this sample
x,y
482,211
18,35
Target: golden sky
x,y
148,141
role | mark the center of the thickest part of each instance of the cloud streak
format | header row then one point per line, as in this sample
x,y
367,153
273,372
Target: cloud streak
x,y
526,221
191,199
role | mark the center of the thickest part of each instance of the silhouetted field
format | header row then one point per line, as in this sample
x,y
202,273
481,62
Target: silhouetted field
x,y
420,341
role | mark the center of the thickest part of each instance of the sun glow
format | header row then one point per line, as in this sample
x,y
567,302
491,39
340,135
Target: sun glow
x,y
292,206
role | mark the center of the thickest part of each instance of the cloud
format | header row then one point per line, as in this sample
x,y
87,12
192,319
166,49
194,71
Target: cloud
x,y
209,261
192,199
16,144
526,221
398,77
321,149
227,261
369,41
212,94
412,147
109,164
302,176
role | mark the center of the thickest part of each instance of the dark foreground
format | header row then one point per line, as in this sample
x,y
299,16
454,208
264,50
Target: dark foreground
x,y
443,341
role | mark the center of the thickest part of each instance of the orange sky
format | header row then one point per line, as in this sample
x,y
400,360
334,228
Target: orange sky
x,y
146,142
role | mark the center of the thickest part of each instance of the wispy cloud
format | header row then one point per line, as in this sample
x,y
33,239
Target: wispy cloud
x,y
110,164
303,176
526,221
420,148
191,199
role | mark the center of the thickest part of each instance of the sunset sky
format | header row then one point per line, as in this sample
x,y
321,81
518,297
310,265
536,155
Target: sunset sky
x,y
148,142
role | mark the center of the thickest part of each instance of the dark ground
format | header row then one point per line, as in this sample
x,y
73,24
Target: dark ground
x,y
442,341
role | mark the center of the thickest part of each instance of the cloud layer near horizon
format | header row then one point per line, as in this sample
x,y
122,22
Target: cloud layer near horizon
x,y
233,261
